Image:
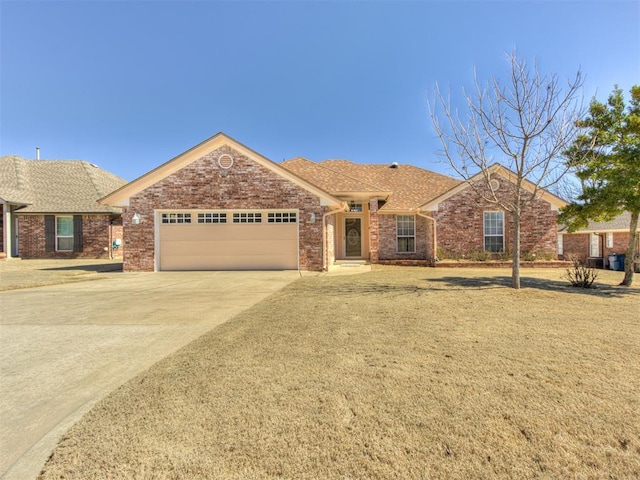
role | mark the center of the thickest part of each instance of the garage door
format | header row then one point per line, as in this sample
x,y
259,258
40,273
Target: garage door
x,y
204,240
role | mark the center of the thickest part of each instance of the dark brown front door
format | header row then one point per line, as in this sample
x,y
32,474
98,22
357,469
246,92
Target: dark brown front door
x,y
353,237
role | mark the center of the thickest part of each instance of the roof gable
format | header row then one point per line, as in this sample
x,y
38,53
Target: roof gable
x,y
121,196
496,169
55,186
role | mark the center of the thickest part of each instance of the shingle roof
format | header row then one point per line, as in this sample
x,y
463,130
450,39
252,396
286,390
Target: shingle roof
x,y
56,186
619,223
410,186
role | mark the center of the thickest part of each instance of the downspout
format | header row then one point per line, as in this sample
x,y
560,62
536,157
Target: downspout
x,y
325,247
435,236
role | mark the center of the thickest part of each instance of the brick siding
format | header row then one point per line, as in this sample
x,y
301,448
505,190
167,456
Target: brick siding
x,y
575,245
461,231
388,245
578,245
202,185
95,238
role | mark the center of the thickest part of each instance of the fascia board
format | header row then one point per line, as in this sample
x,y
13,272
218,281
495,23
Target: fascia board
x,y
553,200
121,196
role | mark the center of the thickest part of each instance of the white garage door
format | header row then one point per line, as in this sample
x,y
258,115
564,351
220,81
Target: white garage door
x,y
214,240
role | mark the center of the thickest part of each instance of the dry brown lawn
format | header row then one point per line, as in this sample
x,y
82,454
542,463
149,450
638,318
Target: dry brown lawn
x,y
399,373
15,274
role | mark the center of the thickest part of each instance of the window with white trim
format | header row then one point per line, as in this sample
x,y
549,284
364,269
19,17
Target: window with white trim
x,y
609,239
64,234
406,233
212,217
281,217
560,244
247,217
494,232
176,218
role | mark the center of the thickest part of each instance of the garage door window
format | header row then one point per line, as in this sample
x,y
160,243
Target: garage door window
x,y
281,217
248,217
212,217
176,218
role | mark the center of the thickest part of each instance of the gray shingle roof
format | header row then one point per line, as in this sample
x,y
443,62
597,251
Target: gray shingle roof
x,y
619,223
56,186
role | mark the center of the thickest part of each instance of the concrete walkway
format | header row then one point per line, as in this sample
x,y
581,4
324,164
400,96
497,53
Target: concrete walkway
x,y
64,347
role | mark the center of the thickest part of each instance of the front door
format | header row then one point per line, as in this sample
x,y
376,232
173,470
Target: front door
x,y
353,237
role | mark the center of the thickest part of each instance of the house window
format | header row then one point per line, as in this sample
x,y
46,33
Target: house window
x,y
406,233
248,217
494,232
281,217
176,218
64,234
212,217
355,207
560,244
594,245
609,239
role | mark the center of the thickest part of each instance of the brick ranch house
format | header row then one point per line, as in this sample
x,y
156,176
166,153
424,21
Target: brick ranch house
x,y
598,241
50,209
221,205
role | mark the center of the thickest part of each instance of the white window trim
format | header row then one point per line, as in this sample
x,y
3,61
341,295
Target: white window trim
x,y
398,236
609,239
484,232
58,237
594,245
560,244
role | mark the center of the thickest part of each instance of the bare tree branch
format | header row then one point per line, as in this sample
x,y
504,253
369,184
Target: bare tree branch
x,y
529,122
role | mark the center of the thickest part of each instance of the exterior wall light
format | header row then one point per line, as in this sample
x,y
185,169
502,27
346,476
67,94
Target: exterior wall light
x,y
312,218
135,220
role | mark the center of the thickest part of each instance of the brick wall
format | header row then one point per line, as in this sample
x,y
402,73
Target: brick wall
x,y
117,233
374,231
202,184
461,230
387,239
575,245
95,238
620,244
578,245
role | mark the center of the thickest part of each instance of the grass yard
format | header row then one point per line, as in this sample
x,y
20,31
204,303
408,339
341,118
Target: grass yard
x,y
16,274
398,373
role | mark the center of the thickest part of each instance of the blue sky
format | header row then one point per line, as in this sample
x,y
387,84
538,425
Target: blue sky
x,y
129,85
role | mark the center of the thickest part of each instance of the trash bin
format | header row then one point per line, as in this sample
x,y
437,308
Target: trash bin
x,y
613,262
620,262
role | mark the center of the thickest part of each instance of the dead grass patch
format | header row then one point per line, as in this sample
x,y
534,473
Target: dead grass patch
x,y
16,274
399,373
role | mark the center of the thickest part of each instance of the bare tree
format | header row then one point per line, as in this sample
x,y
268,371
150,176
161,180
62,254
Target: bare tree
x,y
524,124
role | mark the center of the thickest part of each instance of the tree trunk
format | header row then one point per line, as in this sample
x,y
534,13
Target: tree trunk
x,y
629,257
515,267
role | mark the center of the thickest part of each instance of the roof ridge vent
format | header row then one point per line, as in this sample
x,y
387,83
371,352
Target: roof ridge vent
x,y
394,165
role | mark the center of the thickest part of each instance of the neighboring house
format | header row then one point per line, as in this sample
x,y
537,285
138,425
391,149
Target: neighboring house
x,y
598,241
221,205
50,209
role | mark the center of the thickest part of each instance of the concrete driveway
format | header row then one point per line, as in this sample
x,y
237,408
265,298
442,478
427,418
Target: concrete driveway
x,y
64,347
